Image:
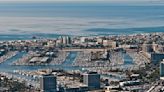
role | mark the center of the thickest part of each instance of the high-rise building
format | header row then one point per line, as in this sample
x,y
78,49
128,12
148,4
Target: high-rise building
x,y
156,57
66,40
82,39
92,80
162,69
69,41
147,48
48,83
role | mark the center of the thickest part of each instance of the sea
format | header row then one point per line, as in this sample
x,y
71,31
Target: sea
x,y
22,20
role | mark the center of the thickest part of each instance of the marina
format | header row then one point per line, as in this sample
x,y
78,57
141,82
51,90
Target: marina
x,y
67,64
81,46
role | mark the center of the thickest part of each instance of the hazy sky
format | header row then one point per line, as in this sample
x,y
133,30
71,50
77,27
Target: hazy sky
x,y
102,1
90,0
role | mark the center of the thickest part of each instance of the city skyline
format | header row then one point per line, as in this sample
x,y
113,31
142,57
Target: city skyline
x,y
82,46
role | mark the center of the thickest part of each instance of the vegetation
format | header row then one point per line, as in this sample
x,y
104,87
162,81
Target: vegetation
x,y
13,85
149,74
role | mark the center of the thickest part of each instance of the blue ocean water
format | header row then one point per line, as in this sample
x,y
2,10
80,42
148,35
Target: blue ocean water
x,y
82,10
126,31
136,13
7,37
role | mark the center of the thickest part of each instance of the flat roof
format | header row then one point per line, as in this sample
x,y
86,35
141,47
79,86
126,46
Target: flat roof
x,y
162,78
90,73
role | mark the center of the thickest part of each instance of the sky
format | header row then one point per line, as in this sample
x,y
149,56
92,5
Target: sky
x,y
99,1
91,0
140,2
102,1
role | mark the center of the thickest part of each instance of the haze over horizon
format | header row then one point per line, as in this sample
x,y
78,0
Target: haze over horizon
x,y
122,1
77,16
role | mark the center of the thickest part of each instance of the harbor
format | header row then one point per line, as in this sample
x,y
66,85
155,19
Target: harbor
x,y
67,65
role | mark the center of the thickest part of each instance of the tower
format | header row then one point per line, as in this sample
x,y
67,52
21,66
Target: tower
x,y
48,83
92,80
